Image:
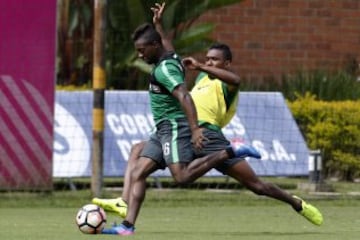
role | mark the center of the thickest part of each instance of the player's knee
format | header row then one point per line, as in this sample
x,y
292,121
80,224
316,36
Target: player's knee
x,y
134,174
181,174
181,179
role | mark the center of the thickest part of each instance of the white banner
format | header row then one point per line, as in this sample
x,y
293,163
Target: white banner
x,y
262,119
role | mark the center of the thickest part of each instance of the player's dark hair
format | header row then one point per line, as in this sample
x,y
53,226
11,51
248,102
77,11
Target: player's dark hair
x,y
147,32
225,49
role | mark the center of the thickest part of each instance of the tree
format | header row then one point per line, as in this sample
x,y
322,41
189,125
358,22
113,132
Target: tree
x,y
74,53
124,71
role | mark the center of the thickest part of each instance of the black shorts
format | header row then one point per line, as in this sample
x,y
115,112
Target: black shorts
x,y
171,143
216,142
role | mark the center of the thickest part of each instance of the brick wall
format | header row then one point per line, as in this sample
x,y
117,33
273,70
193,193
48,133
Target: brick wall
x,y
273,37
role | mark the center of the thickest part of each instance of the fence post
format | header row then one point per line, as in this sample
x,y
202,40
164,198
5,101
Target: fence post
x,y
99,85
315,166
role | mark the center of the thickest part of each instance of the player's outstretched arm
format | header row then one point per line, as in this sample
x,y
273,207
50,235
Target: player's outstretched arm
x,y
157,18
220,73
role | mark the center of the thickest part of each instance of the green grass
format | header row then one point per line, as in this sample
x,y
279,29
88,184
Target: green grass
x,y
182,214
215,222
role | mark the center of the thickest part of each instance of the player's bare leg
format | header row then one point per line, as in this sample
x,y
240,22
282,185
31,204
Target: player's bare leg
x,y
187,173
119,205
134,156
182,173
144,167
245,174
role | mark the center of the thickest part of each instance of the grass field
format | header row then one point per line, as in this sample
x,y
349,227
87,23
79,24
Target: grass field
x,y
182,214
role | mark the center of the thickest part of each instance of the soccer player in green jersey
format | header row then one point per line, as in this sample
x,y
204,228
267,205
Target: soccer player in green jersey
x,y
215,96
176,123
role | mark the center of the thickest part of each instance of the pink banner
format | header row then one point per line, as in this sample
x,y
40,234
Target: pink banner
x,y
27,79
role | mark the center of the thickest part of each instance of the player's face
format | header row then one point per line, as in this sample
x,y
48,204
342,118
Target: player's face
x,y
215,58
146,51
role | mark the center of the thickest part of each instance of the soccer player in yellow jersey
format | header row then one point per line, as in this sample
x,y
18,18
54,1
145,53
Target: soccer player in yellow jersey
x,y
215,97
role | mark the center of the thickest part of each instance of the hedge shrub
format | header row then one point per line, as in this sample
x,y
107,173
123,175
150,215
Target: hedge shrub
x,y
334,128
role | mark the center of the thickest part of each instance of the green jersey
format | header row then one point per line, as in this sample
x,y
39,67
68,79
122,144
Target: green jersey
x,y
167,74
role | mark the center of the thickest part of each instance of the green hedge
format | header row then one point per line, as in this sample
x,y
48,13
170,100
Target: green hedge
x,y
333,127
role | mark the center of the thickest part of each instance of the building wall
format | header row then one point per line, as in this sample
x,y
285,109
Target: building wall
x,y
274,37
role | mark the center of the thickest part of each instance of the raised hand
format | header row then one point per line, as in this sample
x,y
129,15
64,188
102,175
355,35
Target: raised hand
x,y
158,11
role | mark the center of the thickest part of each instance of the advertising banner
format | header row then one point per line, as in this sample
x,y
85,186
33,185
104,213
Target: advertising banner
x,y
27,77
262,119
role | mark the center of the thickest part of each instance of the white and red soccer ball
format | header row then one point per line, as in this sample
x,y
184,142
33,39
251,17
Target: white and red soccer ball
x,y
91,219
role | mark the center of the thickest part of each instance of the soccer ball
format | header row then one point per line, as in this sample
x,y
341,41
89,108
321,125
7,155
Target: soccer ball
x,y
91,219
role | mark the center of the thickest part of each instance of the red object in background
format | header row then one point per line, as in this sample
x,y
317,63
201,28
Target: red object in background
x,y
27,79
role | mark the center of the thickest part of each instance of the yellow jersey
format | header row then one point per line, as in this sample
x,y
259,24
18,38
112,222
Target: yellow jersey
x,y
215,105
